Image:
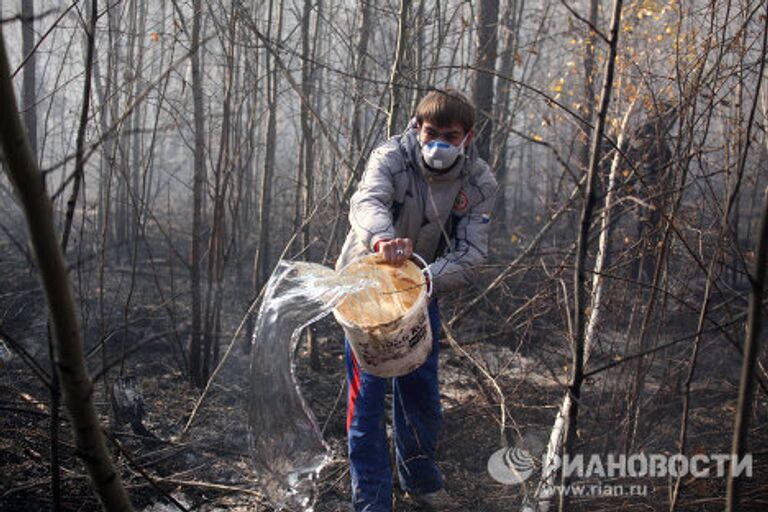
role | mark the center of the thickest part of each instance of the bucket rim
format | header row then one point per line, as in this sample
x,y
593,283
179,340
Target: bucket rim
x,y
424,295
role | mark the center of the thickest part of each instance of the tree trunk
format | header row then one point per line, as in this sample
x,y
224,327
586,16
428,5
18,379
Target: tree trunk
x,y
578,342
195,346
754,318
306,181
588,112
217,241
482,77
544,490
395,92
29,84
749,361
498,157
262,261
359,92
77,386
137,64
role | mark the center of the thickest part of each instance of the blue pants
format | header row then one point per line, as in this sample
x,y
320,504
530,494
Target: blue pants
x,y
417,417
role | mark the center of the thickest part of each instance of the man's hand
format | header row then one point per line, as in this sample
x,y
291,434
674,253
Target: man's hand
x,y
396,251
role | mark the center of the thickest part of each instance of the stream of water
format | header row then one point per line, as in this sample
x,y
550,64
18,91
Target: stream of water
x,y
285,440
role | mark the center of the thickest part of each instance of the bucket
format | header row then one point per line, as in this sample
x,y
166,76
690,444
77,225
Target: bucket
x,y
388,325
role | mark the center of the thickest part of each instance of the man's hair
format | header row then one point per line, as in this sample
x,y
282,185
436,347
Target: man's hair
x,y
446,106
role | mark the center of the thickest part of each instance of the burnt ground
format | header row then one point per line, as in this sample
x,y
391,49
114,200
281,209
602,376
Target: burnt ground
x,y
210,469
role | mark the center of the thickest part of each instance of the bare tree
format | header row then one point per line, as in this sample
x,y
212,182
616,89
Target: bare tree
x,y
751,351
195,343
30,188
306,167
755,313
578,342
29,87
262,262
396,76
360,55
482,83
509,31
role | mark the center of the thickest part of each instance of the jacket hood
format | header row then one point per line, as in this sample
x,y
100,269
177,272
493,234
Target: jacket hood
x,y
464,166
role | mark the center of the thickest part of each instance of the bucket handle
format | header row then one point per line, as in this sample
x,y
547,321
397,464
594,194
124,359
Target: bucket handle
x,y
425,270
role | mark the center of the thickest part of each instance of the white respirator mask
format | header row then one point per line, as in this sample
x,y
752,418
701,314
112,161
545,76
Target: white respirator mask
x,y
440,155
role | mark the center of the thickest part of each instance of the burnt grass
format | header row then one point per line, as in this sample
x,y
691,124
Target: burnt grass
x,y
210,468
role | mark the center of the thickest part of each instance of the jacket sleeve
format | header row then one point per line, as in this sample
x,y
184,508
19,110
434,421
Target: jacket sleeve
x,y
370,208
469,246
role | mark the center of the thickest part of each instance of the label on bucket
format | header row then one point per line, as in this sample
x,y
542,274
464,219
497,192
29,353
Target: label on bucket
x,y
379,349
417,333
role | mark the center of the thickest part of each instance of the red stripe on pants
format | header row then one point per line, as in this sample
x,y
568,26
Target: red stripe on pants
x,y
354,391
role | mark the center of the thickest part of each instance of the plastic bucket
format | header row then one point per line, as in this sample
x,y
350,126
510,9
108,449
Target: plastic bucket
x,y
388,325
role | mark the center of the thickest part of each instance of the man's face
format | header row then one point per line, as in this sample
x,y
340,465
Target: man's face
x,y
452,134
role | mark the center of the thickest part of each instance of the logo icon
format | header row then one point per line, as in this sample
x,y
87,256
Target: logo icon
x,y
514,465
461,203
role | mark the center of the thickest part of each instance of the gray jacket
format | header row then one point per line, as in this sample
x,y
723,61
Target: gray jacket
x,y
449,229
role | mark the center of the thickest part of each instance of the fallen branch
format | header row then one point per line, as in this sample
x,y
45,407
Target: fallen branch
x,y
214,486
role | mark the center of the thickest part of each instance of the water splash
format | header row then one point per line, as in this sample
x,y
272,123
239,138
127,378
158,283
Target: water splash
x,y
284,437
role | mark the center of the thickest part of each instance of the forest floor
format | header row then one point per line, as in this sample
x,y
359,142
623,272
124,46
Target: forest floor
x,y
210,469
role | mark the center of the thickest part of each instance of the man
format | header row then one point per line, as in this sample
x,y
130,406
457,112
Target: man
x,y
426,192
